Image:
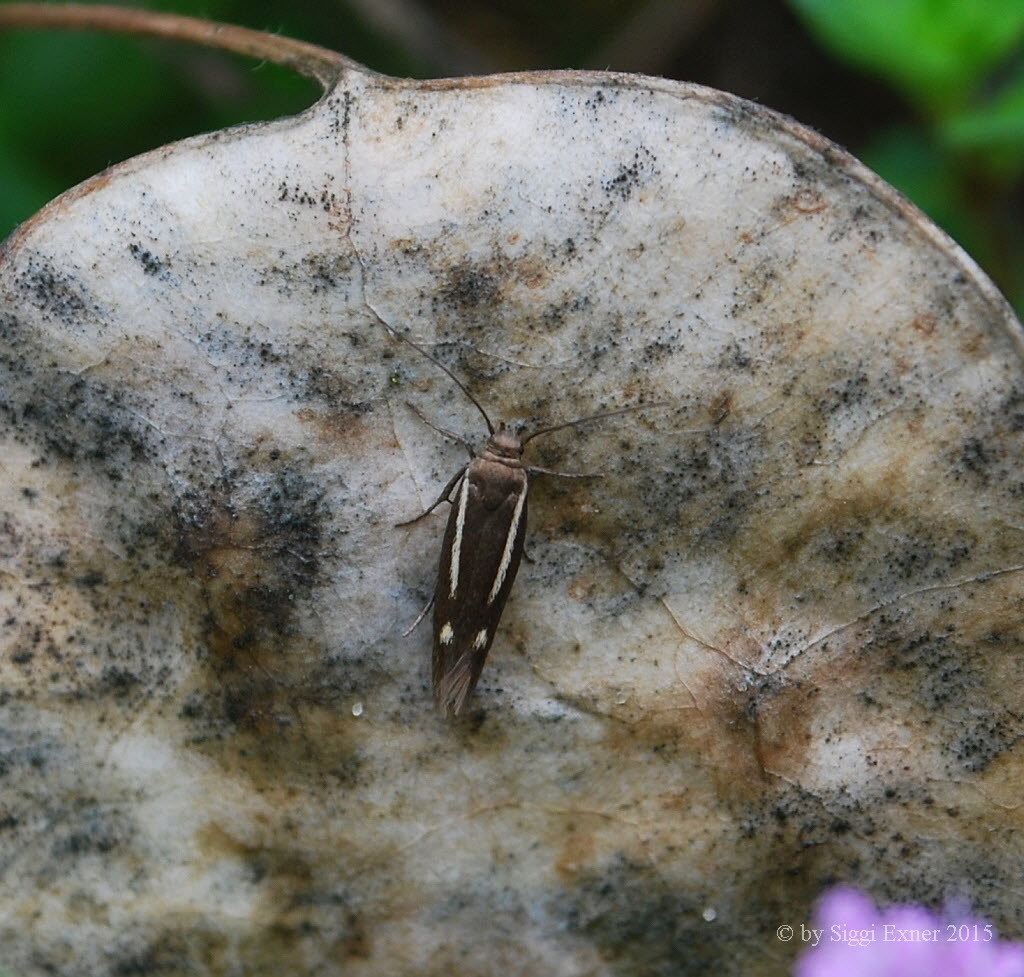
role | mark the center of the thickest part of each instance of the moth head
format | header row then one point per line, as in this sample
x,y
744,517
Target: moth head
x,y
506,443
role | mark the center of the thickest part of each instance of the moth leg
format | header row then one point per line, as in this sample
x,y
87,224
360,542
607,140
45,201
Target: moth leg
x,y
415,624
443,497
444,432
548,471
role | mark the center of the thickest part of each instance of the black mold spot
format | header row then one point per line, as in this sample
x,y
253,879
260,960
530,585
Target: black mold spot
x,y
51,291
947,672
341,114
847,391
347,771
470,287
313,275
255,549
94,830
79,420
163,959
841,545
704,484
987,738
118,681
326,272
151,264
735,357
955,694
1012,408
335,390
629,177
987,457
641,923
660,349
90,579
293,193
977,458
925,558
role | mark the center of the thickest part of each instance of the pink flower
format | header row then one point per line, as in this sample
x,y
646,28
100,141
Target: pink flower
x,y
852,938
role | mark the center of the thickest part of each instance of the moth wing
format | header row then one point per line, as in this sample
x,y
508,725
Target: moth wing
x,y
483,545
453,688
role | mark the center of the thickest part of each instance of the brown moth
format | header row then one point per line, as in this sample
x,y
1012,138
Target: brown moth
x,y
482,547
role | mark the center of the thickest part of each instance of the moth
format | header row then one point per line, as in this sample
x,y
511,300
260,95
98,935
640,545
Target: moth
x,y
482,546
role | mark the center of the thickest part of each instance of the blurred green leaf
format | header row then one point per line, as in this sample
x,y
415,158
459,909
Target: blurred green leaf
x,y
25,191
934,51
79,76
913,163
996,128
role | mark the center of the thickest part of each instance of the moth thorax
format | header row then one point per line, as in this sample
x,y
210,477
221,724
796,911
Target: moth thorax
x,y
505,443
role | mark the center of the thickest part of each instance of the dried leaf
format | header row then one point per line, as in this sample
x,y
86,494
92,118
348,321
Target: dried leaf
x,y
777,645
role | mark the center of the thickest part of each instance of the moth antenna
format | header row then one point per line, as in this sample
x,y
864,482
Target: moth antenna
x,y
419,349
592,417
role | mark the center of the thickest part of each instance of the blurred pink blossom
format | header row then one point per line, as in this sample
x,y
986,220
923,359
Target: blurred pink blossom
x,y
855,939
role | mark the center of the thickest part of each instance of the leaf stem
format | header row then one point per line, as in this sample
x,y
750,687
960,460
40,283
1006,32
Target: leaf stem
x,y
321,64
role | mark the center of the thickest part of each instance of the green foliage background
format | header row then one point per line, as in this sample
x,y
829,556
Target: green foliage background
x,y
959,64
930,93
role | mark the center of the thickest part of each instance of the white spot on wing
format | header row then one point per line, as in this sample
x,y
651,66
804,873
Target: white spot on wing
x,y
446,634
481,639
